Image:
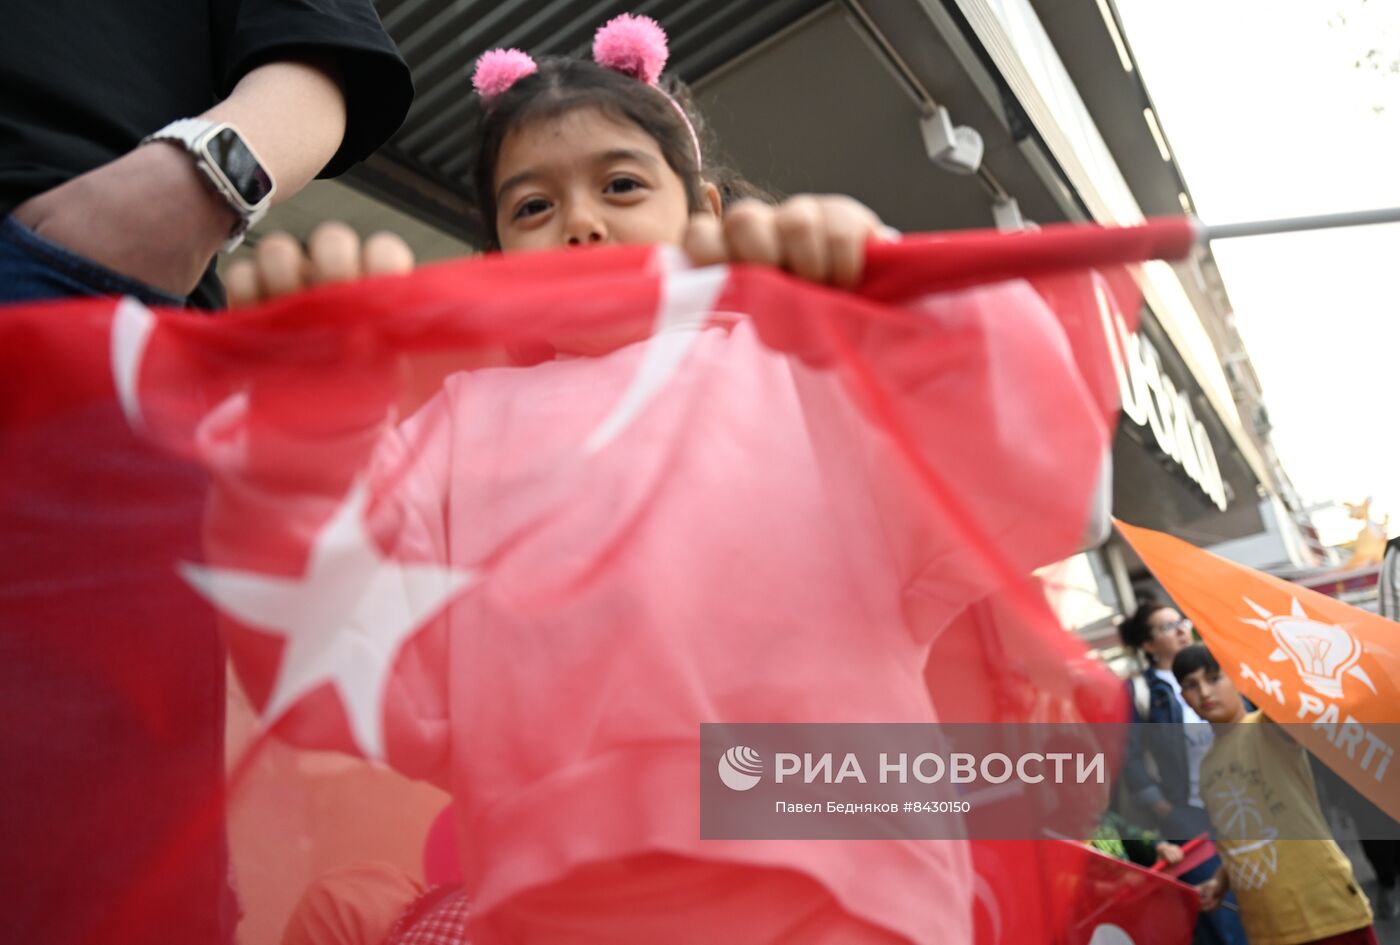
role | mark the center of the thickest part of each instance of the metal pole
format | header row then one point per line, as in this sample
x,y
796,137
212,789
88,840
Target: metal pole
x,y
1325,221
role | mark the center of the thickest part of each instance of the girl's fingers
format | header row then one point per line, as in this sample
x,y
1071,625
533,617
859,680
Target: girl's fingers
x,y
387,254
800,225
818,238
241,284
849,225
751,234
703,241
335,253
281,265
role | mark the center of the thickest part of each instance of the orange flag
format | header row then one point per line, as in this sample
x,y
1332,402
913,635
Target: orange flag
x,y
1328,670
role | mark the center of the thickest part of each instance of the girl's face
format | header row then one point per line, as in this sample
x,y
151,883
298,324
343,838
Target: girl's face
x,y
585,178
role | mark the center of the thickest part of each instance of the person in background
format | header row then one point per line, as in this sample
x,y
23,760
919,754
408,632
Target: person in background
x,y
137,138
1161,769
1389,587
1259,790
1118,837
1377,830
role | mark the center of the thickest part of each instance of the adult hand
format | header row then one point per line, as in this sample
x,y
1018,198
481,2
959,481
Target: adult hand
x,y
1163,809
821,238
149,215
279,265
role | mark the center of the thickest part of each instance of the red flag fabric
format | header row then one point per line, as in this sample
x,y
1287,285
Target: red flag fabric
x,y
1027,671
512,527
1064,892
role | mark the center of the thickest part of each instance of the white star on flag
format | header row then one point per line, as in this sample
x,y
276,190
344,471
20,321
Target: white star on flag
x,y
344,619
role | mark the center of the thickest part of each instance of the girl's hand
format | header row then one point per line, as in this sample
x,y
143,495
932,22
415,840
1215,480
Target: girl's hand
x,y
1169,852
821,238
279,266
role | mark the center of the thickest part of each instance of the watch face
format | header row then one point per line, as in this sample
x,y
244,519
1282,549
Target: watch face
x,y
240,167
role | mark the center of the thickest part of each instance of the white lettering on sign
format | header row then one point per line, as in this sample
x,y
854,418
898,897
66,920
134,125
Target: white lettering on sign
x,y
1347,734
1151,400
1264,681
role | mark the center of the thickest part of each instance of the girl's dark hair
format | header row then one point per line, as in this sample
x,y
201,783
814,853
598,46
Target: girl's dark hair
x,y
561,85
1135,631
1192,658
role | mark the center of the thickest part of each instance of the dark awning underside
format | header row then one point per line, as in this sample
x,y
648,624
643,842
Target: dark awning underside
x,y
425,167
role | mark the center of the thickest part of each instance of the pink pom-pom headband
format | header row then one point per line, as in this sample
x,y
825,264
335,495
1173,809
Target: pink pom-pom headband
x,y
498,69
632,45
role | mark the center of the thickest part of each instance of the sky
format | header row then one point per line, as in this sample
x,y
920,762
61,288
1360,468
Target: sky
x,y
1276,108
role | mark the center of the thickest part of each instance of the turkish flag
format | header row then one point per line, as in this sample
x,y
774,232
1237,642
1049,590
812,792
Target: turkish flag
x,y
1329,669
512,529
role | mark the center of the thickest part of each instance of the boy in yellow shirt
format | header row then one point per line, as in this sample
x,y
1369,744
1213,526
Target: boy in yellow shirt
x,y
1258,790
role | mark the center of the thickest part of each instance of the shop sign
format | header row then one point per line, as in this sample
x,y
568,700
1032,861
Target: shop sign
x,y
1150,399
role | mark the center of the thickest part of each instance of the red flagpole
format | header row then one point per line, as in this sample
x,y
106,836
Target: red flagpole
x,y
973,257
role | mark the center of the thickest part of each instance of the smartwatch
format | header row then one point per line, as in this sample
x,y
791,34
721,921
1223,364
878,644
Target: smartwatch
x,y
229,164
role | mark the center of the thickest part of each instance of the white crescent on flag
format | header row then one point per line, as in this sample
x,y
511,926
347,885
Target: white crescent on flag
x,y
687,298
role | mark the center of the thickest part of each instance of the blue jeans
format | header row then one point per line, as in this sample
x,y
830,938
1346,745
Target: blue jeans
x,y
94,794
1223,926
33,269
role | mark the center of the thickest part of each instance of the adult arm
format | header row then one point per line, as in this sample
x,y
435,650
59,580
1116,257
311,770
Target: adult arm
x,y
150,215
313,85
1139,780
1144,788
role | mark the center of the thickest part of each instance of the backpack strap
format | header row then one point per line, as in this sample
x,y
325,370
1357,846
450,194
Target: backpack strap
x,y
1142,696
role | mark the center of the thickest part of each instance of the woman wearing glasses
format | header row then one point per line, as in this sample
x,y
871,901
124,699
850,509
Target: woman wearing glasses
x,y
1163,764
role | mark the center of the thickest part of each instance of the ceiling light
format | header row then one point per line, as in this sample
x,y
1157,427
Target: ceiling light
x,y
1118,44
1156,130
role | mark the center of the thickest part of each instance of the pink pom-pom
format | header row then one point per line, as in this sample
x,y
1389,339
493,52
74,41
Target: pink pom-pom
x,y
632,45
498,69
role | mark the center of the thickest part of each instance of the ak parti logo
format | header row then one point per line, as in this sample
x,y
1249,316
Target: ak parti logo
x,y
1322,653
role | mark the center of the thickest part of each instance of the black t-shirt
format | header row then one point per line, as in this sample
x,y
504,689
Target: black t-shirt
x,y
83,81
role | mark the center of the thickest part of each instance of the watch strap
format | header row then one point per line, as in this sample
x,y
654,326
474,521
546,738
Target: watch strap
x,y
189,132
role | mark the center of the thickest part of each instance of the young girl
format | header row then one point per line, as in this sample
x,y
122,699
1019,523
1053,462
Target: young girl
x,y
568,737
572,154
